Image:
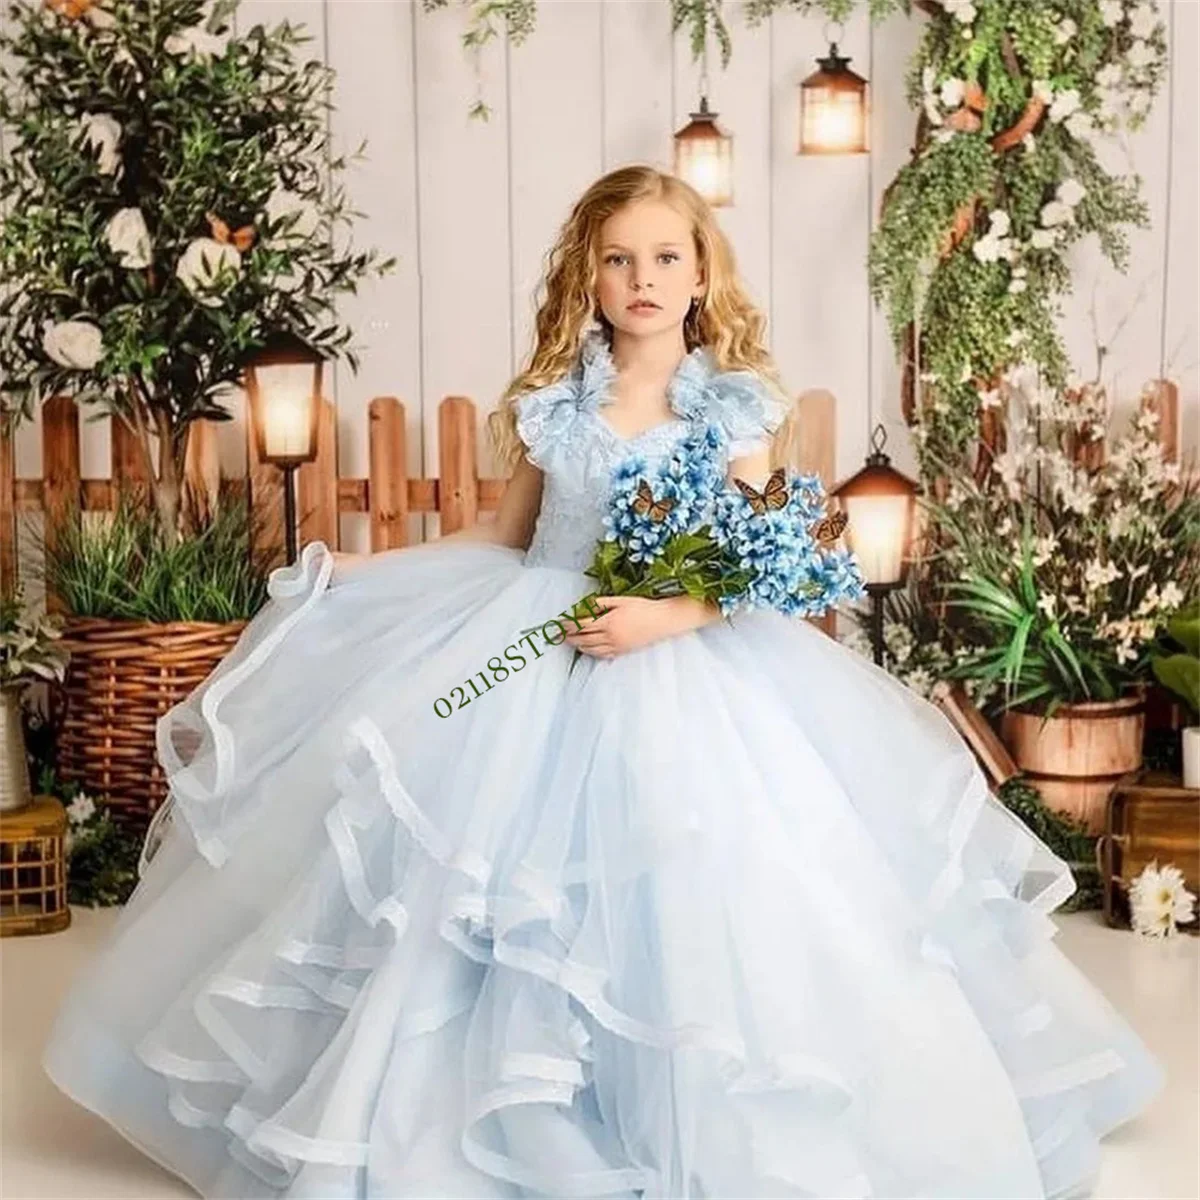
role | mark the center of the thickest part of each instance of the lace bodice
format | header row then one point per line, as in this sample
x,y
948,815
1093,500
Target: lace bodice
x,y
567,436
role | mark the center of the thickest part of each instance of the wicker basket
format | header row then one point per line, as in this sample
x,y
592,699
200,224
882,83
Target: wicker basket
x,y
123,675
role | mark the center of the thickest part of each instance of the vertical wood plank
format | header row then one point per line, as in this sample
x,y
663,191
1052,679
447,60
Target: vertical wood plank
x,y
129,470
317,485
820,226
387,484
458,481
1161,396
202,466
61,491
1179,338
464,191
377,105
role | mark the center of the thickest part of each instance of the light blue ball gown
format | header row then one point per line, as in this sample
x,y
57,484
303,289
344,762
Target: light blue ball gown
x,y
733,915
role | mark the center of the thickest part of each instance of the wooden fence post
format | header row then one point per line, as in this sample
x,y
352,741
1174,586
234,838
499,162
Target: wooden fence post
x,y
387,484
62,498
458,484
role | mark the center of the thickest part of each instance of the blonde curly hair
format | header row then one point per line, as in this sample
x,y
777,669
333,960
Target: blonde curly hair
x,y
724,319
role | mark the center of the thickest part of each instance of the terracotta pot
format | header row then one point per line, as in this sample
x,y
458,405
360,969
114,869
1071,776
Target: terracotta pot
x,y
1076,756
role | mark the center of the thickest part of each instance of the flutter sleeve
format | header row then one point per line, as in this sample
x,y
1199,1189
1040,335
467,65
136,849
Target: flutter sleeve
x,y
749,412
543,418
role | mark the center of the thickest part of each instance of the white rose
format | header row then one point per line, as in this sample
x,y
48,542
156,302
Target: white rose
x,y
1016,286
197,41
1064,104
103,133
195,276
1055,213
1110,12
1000,223
129,239
1143,20
1071,191
1043,91
1065,32
1079,125
75,344
1029,142
1109,76
1139,104
952,93
1141,54
986,249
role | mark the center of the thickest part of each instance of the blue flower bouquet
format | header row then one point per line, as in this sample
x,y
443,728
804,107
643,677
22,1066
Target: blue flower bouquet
x,y
680,529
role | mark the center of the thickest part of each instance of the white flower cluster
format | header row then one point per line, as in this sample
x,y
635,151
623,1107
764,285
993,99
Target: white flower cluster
x,y
80,812
1159,901
1057,213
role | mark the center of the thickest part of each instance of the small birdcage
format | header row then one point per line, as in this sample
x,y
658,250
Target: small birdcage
x,y
33,869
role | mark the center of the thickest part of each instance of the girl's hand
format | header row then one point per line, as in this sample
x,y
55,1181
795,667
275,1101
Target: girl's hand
x,y
635,621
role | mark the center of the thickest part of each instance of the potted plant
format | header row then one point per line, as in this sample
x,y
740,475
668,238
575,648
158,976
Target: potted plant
x,y
1060,567
171,202
1176,665
30,649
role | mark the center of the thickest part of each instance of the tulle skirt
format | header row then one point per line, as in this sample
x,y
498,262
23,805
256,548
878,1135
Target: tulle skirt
x,y
734,915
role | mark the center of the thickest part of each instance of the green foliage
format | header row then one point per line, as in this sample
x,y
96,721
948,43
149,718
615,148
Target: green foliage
x,y
102,854
28,648
1175,661
141,133
1066,837
121,565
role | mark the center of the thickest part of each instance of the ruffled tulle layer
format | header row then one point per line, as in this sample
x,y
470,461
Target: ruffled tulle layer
x,y
731,916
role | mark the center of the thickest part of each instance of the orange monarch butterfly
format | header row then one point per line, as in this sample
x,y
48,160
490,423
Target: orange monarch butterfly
x,y
242,239
773,495
644,502
829,529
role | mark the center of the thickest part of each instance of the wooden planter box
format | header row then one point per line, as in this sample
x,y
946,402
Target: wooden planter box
x,y
123,676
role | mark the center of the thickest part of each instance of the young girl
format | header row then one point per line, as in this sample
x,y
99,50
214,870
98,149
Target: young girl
x,y
718,909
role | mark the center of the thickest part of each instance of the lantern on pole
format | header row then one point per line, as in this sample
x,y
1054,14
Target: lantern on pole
x,y
880,503
283,382
833,108
704,151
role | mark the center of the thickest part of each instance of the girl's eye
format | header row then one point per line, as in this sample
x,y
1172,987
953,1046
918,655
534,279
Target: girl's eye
x,y
665,254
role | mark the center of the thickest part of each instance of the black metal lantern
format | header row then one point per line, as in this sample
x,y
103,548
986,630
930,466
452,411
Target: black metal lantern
x,y
283,382
880,503
833,108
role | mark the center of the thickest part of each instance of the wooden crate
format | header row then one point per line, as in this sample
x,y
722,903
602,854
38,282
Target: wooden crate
x,y
1150,816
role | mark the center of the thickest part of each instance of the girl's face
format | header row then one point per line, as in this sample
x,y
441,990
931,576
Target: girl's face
x,y
647,254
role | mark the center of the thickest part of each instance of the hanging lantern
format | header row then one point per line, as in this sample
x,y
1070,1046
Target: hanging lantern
x,y
704,156
833,108
703,150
